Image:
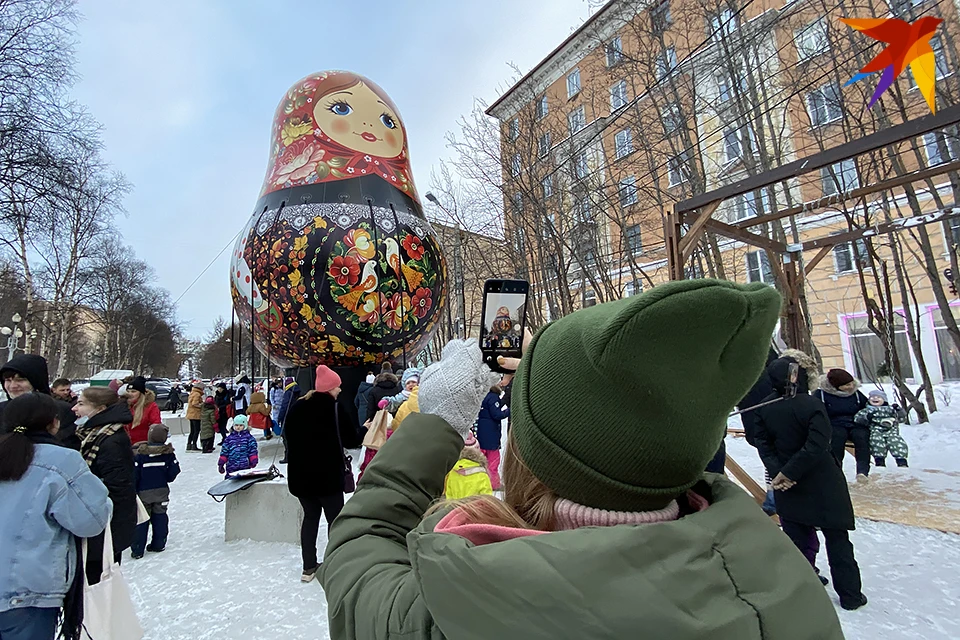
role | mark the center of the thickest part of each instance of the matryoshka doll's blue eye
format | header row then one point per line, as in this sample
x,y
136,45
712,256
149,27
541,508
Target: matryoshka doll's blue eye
x,y
341,109
388,121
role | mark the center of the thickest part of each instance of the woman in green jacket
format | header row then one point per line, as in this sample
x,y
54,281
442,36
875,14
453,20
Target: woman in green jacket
x,y
608,528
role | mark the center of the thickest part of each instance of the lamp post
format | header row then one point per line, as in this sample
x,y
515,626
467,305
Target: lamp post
x,y
13,336
458,278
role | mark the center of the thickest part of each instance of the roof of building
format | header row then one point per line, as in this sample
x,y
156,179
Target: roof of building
x,y
553,54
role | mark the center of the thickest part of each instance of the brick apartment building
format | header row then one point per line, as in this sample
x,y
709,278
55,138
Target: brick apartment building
x,y
648,104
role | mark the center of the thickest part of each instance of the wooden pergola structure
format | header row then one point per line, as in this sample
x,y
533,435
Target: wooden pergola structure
x,y
686,221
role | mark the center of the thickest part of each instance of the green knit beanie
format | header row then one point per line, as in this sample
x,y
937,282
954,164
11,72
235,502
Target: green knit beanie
x,y
621,406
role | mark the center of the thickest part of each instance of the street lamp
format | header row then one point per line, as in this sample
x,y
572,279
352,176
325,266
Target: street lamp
x,y
13,336
457,270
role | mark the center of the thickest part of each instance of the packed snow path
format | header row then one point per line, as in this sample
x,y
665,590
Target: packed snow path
x,y
201,587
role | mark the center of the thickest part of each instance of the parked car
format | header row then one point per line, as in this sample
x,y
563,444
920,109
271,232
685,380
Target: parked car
x,y
161,387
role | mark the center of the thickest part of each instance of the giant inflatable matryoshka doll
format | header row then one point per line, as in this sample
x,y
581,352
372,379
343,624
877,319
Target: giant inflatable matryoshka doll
x,y
337,264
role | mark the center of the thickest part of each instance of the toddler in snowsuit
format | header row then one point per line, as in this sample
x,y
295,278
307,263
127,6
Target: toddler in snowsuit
x,y
259,414
208,421
469,476
884,422
239,450
155,467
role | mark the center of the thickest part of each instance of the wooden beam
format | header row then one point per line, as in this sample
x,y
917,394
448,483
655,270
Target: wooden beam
x,y
852,149
692,236
893,226
838,198
812,264
746,480
671,239
746,236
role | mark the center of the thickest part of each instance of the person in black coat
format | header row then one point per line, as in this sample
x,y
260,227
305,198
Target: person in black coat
x,y
106,447
793,437
223,400
363,392
840,393
315,431
385,386
28,373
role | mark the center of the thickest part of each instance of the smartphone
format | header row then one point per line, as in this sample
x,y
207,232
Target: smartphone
x,y
504,320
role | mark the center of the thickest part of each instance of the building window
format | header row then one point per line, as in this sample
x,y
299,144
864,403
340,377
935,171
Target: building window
x,y
581,209
735,143
623,143
633,240
670,117
547,186
543,145
868,353
723,24
580,167
587,252
627,189
940,58
747,205
514,129
660,17
940,147
839,177
633,288
954,224
812,40
543,107
515,165
824,105
947,348
549,225
614,52
758,267
677,169
847,259
618,95
576,120
589,298
666,62
517,202
729,88
573,83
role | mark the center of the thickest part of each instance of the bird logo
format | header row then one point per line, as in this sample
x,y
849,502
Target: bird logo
x,y
907,43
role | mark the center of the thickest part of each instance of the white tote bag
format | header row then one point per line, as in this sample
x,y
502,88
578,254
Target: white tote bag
x,y
108,612
142,514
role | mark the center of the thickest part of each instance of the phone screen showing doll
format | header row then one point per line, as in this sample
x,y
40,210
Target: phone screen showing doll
x,y
504,318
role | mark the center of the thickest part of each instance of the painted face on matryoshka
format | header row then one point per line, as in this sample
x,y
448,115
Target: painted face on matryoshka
x,y
358,118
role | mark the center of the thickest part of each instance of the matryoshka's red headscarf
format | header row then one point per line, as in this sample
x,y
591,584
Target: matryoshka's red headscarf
x,y
301,153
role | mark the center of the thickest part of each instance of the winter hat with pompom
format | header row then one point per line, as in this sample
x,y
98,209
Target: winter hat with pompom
x,y
410,374
631,440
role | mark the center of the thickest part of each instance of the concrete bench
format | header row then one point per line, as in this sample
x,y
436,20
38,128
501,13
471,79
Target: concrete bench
x,y
177,426
264,511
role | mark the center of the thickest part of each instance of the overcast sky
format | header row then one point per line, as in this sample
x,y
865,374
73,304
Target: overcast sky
x,y
186,90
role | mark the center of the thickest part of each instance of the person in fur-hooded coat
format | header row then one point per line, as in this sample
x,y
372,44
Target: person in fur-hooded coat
x,y
840,393
385,385
259,413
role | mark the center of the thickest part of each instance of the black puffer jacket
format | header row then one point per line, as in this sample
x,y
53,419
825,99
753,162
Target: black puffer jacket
x,y
114,466
34,368
793,437
314,453
841,406
386,385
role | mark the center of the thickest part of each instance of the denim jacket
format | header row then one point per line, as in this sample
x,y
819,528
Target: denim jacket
x,y
56,499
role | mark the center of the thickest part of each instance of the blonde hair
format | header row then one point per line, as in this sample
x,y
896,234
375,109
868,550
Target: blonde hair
x,y
138,408
527,502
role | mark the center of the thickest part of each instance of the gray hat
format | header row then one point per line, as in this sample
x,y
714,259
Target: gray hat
x,y
157,434
880,394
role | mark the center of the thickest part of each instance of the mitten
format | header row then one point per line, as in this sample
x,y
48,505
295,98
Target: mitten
x,y
221,468
383,404
454,388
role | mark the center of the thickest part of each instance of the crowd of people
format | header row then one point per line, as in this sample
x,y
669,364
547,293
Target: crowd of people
x,y
629,520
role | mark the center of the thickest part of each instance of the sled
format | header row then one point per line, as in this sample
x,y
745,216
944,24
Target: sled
x,y
241,480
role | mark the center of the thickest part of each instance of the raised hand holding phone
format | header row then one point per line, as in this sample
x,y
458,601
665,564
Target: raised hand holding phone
x,y
503,323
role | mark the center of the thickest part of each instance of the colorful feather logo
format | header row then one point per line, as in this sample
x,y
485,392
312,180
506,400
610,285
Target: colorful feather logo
x,y
907,44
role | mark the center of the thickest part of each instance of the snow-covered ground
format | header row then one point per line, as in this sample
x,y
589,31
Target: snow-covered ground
x,y
201,587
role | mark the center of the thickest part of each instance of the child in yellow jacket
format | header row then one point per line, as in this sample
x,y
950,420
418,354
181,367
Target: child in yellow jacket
x,y
469,476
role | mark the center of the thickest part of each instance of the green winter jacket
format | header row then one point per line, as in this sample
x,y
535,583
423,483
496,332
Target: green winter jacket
x,y
208,421
725,573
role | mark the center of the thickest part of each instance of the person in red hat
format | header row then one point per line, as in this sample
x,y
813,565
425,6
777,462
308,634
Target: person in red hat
x,y
315,430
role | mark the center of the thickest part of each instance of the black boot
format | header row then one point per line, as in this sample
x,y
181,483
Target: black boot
x,y
856,603
880,462
902,462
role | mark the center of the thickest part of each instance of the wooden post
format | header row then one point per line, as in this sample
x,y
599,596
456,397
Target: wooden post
x,y
671,237
794,319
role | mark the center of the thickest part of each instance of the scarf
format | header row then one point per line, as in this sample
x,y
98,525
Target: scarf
x,y
92,437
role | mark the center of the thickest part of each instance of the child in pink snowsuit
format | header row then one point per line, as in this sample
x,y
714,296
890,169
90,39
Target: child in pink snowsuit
x,y
489,430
